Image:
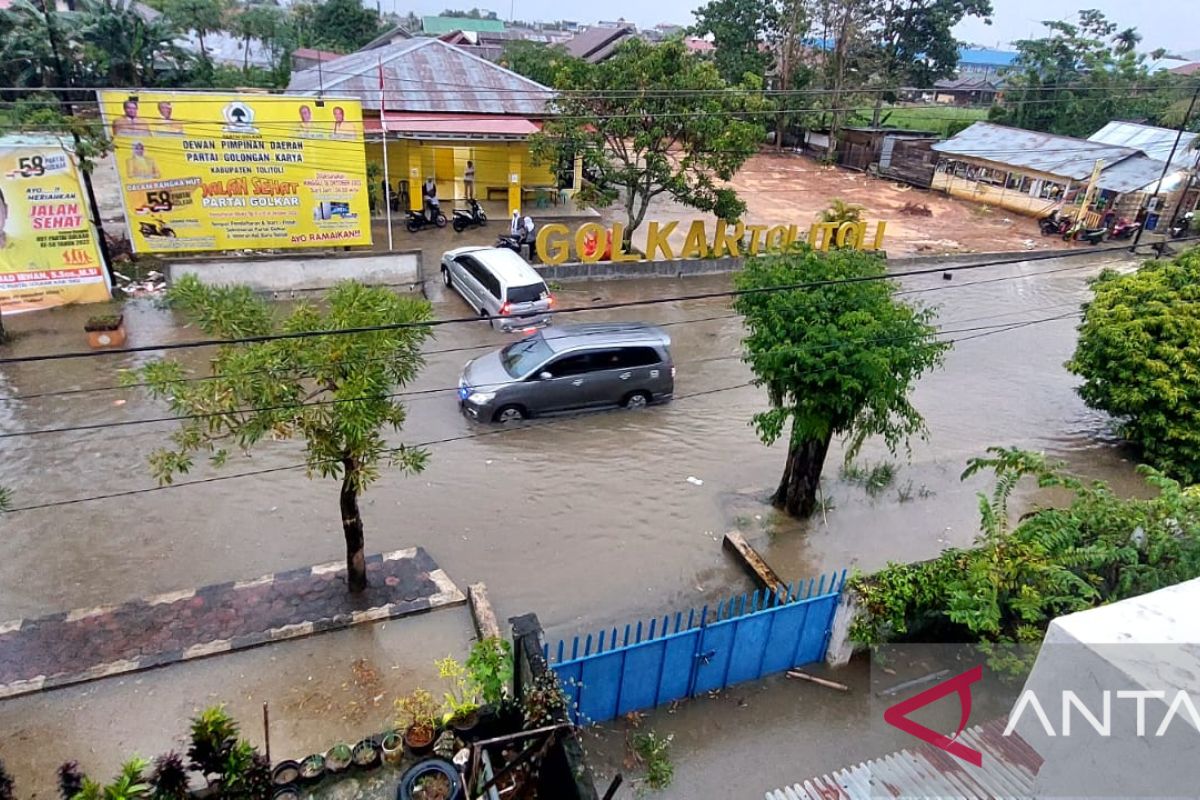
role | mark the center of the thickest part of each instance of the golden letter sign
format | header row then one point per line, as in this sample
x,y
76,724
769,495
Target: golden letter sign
x,y
734,239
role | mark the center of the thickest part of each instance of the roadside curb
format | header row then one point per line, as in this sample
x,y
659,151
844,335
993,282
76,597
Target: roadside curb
x,y
195,623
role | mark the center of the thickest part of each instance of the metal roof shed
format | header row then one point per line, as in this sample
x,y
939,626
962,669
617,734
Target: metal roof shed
x,y
1153,141
1061,157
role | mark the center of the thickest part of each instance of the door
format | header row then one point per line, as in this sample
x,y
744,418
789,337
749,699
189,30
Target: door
x,y
571,384
443,165
467,278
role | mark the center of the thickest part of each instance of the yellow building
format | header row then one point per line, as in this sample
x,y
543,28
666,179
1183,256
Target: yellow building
x,y
443,113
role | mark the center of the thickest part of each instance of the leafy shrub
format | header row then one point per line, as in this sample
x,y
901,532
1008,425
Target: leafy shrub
x,y
169,777
491,668
655,752
70,780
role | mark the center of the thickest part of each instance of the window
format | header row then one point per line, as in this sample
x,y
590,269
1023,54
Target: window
x,y
473,268
489,282
527,294
521,358
574,364
637,357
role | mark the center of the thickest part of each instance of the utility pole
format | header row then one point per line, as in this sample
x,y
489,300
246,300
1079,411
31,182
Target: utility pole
x,y
68,111
1166,169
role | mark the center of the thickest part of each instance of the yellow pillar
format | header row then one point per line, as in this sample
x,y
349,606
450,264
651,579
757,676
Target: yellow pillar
x,y
577,178
413,163
515,158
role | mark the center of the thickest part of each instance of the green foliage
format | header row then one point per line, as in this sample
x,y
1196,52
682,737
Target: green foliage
x,y
738,28
1139,356
912,42
417,711
543,701
1080,76
5,498
343,26
202,16
491,668
655,752
1007,589
336,393
836,359
646,144
130,784
536,61
122,48
874,478
840,211
213,737
462,697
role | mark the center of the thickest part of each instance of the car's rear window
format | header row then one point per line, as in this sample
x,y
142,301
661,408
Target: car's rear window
x,y
527,294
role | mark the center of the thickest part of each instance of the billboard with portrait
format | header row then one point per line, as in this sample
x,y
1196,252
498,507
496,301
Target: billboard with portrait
x,y
49,254
236,171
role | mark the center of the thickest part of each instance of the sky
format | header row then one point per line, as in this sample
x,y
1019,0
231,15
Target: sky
x,y
1172,24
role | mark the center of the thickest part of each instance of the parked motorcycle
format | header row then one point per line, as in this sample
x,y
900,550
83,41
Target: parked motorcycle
x,y
1182,225
469,217
155,228
1054,224
431,216
1078,233
1124,229
510,241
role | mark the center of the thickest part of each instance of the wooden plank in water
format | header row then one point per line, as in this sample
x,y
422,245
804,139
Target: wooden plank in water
x,y
762,572
481,610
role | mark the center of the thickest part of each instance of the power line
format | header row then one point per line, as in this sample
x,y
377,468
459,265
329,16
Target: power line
x,y
432,443
424,392
599,307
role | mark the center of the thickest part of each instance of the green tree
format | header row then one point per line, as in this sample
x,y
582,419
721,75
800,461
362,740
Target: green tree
x,y
257,22
343,26
740,31
912,42
334,392
26,58
201,16
836,360
645,132
536,61
1138,354
122,46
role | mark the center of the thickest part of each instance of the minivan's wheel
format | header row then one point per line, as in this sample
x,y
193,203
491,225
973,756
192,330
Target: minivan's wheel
x,y
636,400
446,277
510,414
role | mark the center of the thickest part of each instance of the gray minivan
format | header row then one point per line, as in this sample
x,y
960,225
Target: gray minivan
x,y
570,367
500,284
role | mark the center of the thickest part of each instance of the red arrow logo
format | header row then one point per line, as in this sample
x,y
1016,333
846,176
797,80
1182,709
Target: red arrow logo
x,y
897,715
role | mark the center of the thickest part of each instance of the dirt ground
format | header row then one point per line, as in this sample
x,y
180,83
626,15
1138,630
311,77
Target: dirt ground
x,y
790,189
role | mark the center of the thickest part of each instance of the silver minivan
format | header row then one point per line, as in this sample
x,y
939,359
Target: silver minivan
x,y
570,367
498,283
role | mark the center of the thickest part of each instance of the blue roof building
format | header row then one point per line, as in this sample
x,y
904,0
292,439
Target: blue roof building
x,y
984,63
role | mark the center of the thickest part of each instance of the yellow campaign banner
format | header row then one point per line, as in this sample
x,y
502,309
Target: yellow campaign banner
x,y
237,171
48,251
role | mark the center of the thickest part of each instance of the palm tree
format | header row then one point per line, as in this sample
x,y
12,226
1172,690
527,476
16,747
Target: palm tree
x,y
127,43
1126,40
25,45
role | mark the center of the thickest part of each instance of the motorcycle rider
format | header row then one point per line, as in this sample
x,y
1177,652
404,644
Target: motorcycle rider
x,y
429,195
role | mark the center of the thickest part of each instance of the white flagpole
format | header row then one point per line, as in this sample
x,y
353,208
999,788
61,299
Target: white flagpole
x,y
387,179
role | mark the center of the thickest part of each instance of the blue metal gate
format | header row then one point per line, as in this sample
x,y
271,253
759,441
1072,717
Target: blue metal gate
x,y
746,638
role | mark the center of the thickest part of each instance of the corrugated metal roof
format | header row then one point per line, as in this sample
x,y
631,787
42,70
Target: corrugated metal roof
x,y
473,124
1063,156
1132,174
596,44
427,75
985,57
1009,768
1154,142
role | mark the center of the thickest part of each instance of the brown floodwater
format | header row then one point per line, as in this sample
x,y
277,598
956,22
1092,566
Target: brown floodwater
x,y
588,521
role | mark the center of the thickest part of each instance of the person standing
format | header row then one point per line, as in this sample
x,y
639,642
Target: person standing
x,y
429,193
528,232
469,180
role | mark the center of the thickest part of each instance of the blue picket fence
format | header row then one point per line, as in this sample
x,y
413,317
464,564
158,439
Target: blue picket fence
x,y
745,638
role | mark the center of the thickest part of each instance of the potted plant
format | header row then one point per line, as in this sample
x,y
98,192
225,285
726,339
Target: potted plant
x,y
430,779
169,778
214,735
312,768
365,754
392,745
106,330
461,706
285,773
338,758
543,700
491,670
418,713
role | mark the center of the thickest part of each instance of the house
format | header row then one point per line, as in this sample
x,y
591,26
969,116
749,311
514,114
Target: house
x,y
984,63
968,90
1033,173
699,46
599,43
392,35
1158,143
440,107
306,57
863,147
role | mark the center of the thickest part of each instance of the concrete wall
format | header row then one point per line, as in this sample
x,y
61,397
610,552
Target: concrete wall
x,y
303,271
683,267
979,192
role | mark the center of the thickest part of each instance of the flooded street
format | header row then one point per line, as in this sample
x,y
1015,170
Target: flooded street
x,y
587,521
